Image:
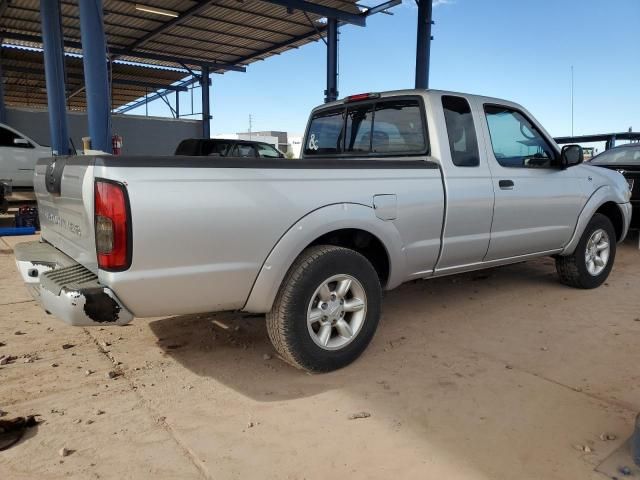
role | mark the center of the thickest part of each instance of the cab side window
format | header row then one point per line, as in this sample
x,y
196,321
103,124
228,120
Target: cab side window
x,y
516,142
461,131
10,139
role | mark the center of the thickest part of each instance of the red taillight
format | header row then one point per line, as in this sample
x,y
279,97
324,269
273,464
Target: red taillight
x,y
361,96
113,243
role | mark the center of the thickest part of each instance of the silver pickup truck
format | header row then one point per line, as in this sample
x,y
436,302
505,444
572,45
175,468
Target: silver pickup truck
x,y
391,187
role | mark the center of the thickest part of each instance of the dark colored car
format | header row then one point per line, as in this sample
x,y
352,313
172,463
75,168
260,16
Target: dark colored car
x,y
626,160
217,147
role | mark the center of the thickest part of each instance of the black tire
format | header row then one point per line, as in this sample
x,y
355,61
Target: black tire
x,y
572,269
287,320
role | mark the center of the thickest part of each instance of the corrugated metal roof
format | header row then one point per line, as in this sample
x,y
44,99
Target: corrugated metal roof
x,y
23,73
233,32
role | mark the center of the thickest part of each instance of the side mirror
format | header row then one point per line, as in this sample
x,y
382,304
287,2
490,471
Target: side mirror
x,y
571,155
20,141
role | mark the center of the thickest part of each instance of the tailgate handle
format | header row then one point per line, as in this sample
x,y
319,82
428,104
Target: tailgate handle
x,y
53,176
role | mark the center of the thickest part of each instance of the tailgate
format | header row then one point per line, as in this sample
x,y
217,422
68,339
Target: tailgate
x,y
64,190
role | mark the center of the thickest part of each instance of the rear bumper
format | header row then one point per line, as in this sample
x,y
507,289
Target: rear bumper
x,y
66,289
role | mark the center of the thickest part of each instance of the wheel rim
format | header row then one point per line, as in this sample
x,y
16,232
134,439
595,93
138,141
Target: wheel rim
x,y
597,252
336,312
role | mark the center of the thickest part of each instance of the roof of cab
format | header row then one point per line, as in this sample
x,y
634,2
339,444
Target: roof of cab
x,y
423,92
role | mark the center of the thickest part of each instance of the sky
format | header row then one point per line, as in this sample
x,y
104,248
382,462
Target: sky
x,y
512,49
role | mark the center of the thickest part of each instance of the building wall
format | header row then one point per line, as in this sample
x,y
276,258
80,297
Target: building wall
x,y
141,135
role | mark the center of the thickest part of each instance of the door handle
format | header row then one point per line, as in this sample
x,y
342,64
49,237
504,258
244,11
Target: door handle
x,y
506,184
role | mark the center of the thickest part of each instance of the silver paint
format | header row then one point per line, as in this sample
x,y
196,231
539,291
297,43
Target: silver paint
x,y
222,239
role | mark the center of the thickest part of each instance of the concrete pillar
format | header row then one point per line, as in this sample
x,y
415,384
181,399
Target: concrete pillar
x,y
205,82
96,74
423,44
331,93
54,72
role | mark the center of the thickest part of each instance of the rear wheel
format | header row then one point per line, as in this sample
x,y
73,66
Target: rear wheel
x,y
591,262
327,309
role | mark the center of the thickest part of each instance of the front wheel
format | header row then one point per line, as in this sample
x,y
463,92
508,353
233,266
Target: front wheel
x,y
591,262
327,309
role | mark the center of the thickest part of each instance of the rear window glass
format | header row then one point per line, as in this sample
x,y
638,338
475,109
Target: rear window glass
x,y
397,127
393,126
358,132
325,133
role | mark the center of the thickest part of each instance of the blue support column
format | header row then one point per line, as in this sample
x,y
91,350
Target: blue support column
x,y
205,82
3,107
331,93
54,71
96,76
423,44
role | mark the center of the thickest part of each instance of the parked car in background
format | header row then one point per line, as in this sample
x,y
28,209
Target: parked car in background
x,y
391,187
18,157
588,152
626,160
217,147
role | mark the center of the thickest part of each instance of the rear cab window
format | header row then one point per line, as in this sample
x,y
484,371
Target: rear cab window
x,y
383,127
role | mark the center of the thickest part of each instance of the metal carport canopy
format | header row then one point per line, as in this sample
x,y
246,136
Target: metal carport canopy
x,y
223,35
202,36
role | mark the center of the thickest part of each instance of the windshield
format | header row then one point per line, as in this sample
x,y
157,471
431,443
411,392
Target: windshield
x,y
618,156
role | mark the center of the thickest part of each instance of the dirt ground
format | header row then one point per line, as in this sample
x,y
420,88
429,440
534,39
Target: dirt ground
x,y
503,374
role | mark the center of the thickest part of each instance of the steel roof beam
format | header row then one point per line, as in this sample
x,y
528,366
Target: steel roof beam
x,y
358,19
195,9
256,14
142,55
382,8
155,96
288,43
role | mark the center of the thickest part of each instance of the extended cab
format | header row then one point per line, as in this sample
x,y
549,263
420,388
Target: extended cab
x,y
18,157
391,187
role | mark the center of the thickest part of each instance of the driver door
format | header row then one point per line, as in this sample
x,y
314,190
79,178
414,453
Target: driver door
x,y
536,203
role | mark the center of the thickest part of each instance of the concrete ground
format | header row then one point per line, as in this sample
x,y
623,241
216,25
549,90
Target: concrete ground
x,y
500,374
